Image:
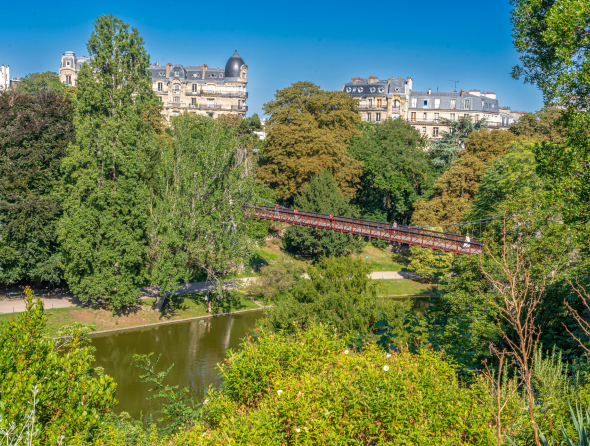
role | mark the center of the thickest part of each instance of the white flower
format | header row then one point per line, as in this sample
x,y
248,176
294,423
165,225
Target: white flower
x,y
299,394
297,429
327,413
386,368
279,392
201,435
388,355
205,402
346,352
305,429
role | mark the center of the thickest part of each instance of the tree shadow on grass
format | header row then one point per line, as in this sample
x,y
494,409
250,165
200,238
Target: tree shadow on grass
x,y
174,304
230,301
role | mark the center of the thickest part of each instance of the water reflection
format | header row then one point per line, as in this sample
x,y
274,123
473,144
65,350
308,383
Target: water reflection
x,y
194,347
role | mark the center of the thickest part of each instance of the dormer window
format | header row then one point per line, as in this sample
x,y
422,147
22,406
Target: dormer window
x,y
221,75
161,73
212,75
176,73
176,88
68,63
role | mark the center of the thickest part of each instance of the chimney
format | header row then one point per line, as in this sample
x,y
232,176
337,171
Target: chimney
x,y
429,91
156,64
168,66
373,79
409,83
436,88
204,75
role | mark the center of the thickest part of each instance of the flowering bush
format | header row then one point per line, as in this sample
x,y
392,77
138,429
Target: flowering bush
x,y
306,390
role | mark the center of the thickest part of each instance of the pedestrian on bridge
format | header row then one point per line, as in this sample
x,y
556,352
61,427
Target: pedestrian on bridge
x,y
467,243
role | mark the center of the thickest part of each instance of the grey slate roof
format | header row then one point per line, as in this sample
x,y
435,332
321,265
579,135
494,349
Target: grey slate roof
x,y
425,101
380,88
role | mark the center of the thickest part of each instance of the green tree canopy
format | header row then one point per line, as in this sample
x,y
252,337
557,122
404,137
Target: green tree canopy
x,y
35,131
34,83
197,221
321,195
103,231
453,192
307,132
444,151
542,125
396,171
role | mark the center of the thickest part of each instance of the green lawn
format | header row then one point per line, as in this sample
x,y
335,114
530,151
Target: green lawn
x,y
398,287
176,308
384,260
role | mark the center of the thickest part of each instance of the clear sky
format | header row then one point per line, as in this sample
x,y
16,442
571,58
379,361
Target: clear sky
x,y
327,43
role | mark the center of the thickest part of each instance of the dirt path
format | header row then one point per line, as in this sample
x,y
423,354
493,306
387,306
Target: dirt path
x,y
17,305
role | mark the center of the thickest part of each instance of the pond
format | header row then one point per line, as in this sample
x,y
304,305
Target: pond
x,y
195,347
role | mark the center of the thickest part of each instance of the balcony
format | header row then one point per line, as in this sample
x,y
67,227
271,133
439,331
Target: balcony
x,y
223,95
233,108
372,107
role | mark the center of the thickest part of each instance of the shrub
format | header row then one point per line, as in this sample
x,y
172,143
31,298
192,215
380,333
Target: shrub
x,y
72,398
308,389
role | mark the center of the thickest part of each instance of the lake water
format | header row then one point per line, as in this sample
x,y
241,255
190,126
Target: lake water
x,y
194,347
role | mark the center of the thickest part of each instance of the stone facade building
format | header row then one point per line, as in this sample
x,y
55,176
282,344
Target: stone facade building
x,y
194,89
201,89
4,77
394,98
69,67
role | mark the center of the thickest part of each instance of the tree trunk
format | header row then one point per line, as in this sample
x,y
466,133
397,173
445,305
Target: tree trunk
x,y
159,303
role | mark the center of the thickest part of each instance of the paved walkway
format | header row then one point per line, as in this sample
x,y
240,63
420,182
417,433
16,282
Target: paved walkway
x,y
67,300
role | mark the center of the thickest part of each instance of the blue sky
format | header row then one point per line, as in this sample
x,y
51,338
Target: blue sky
x,y
327,43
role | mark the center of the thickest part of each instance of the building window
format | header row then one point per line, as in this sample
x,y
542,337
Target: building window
x,y
396,104
370,102
423,129
437,103
467,104
425,103
368,117
414,102
210,103
436,117
211,88
378,117
453,104
176,73
379,103
424,116
210,114
68,80
476,118
159,86
452,116
68,63
413,116
194,101
160,98
466,116
176,99
176,88
195,88
434,131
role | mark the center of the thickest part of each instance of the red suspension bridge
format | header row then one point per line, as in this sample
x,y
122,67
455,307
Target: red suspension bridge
x,y
425,238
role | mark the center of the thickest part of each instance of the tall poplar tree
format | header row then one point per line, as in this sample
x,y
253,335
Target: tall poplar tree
x,y
103,231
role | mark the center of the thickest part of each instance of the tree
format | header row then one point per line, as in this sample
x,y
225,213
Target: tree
x,y
444,151
552,38
34,83
307,132
251,124
542,125
321,195
230,120
454,191
103,231
430,264
396,171
73,398
197,220
35,131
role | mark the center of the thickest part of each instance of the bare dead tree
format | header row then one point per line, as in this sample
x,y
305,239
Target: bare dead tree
x,y
503,390
516,296
582,323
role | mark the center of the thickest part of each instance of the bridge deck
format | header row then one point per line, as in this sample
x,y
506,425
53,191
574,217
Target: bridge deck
x,y
424,238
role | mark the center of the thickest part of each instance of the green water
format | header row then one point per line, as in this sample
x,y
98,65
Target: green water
x,y
194,347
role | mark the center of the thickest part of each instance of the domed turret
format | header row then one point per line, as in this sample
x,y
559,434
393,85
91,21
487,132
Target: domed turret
x,y
233,66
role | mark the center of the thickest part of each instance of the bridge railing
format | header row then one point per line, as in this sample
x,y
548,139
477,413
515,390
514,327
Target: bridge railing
x,y
427,238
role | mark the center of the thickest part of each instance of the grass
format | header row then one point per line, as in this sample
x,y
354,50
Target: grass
x,y
176,308
399,287
384,260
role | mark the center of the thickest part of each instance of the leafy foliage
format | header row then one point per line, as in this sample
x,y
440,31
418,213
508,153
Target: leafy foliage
x,y
542,125
72,397
338,293
307,132
275,280
310,389
35,83
444,150
103,231
430,264
35,131
396,171
197,222
322,195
